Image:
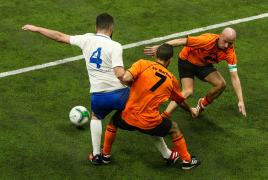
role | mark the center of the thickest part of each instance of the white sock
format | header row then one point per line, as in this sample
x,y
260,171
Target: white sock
x,y
96,131
161,146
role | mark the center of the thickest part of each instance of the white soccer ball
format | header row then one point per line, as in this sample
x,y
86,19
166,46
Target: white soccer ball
x,y
79,115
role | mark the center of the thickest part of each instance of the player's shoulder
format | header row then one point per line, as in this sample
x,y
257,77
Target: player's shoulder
x,y
116,44
147,62
83,37
210,36
143,64
87,35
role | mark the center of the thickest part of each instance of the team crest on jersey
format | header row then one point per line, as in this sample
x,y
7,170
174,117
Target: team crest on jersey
x,y
212,57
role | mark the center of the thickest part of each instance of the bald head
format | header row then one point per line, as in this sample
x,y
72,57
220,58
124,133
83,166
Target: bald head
x,y
229,33
227,38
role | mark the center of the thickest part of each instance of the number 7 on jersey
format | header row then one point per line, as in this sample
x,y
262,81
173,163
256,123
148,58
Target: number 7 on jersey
x,y
160,82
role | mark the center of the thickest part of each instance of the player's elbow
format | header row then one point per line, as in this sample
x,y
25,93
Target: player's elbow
x,y
120,75
127,79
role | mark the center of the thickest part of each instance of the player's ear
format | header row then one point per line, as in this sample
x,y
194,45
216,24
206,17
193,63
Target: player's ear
x,y
96,29
112,28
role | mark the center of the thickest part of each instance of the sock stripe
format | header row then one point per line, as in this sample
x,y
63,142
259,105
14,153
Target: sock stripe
x,y
166,114
177,139
207,99
111,130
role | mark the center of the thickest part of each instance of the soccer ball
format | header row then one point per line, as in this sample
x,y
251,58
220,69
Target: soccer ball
x,y
79,115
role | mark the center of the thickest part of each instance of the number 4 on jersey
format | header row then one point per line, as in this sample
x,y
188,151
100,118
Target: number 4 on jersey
x,y
96,59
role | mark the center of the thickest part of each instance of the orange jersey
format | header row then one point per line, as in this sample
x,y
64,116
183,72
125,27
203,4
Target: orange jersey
x,y
153,84
203,50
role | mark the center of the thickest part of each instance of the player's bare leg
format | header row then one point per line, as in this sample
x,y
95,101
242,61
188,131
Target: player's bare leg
x,y
187,91
219,85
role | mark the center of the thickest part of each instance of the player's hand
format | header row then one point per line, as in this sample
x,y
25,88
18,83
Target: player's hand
x,y
150,51
242,108
194,112
30,28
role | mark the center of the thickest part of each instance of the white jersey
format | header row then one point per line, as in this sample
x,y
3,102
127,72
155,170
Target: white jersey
x,y
101,54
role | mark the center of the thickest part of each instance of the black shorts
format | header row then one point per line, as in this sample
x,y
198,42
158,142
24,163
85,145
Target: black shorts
x,y
189,70
161,130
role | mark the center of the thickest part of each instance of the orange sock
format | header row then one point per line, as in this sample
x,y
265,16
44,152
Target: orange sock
x,y
206,101
109,139
165,114
180,146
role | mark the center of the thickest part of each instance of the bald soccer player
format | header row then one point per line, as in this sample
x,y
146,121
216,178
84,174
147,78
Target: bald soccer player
x,y
197,59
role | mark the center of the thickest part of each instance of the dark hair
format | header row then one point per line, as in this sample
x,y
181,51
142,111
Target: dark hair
x,y
104,21
164,52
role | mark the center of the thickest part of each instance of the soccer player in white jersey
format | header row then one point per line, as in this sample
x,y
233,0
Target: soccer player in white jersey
x,y
105,67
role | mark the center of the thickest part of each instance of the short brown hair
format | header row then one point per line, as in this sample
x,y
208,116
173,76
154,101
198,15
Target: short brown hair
x,y
164,52
104,21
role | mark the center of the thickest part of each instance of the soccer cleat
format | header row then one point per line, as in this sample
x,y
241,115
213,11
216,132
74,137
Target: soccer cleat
x,y
193,162
173,157
200,107
96,160
106,159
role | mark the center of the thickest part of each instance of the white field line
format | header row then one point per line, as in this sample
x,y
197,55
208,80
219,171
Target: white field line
x,y
176,35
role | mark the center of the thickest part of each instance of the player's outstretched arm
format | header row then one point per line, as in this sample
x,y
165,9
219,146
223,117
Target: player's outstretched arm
x,y
238,90
52,34
150,50
178,42
185,106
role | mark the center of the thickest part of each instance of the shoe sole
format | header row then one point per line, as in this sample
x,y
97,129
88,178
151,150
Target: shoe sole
x,y
105,162
187,168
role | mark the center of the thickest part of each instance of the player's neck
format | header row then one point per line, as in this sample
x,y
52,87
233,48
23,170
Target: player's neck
x,y
104,32
164,63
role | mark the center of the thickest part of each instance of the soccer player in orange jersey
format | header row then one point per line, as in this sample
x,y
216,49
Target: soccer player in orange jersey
x,y
197,59
152,84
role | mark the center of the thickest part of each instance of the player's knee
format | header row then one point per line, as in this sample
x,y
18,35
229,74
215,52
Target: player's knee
x,y
174,131
187,93
222,85
174,127
111,123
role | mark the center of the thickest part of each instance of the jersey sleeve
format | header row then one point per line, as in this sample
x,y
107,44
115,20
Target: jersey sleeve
x,y
231,56
117,55
137,68
79,40
201,41
176,94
